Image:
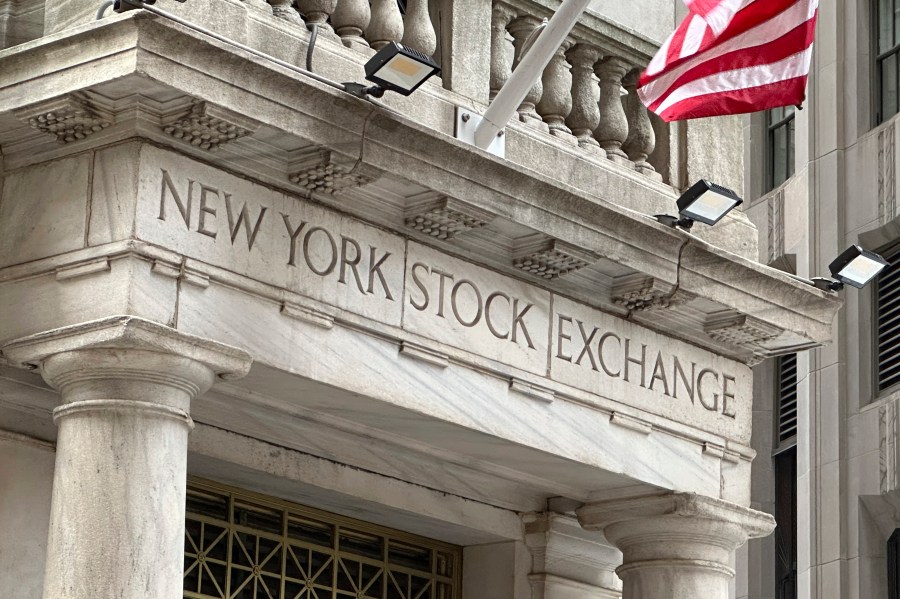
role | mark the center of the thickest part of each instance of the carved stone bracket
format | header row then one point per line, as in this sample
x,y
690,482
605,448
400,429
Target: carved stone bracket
x,y
209,127
550,258
740,329
321,170
445,218
639,294
70,118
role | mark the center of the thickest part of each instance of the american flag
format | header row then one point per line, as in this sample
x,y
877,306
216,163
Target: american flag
x,y
732,57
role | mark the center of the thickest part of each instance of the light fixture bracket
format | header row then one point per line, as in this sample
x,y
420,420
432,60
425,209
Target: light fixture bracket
x,y
361,91
826,284
466,124
684,223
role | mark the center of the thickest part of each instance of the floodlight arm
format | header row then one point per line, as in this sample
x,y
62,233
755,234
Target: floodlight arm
x,y
528,71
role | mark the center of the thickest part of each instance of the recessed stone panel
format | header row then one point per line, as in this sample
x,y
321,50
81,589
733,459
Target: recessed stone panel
x,y
619,360
42,210
274,238
476,309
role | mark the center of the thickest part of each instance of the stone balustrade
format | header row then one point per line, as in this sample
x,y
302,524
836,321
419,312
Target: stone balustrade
x,y
586,97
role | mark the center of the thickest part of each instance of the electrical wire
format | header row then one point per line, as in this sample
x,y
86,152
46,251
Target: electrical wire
x,y
313,35
103,7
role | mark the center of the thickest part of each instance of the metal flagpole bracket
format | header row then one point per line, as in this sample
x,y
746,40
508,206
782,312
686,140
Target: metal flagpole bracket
x,y
467,123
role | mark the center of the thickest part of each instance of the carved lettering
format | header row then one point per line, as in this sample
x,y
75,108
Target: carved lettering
x,y
454,304
586,347
352,263
561,336
487,314
206,210
679,374
375,269
659,373
243,219
714,406
183,208
629,360
727,394
600,354
294,234
519,323
421,307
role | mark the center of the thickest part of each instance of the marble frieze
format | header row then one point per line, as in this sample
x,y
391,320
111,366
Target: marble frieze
x,y
441,303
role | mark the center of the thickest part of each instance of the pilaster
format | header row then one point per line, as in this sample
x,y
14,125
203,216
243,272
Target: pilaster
x,y
675,546
117,508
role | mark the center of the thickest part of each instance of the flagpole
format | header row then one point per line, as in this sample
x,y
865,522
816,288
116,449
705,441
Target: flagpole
x,y
529,70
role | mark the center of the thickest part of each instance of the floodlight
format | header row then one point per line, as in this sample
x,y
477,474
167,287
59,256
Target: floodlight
x,y
705,202
395,68
855,267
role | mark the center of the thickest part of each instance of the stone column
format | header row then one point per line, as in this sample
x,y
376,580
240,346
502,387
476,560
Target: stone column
x,y
117,509
675,546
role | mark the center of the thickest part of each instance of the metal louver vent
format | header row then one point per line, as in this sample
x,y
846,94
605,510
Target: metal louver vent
x,y
787,398
887,313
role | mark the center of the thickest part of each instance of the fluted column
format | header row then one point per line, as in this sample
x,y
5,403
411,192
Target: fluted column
x,y
675,546
317,12
117,508
641,140
501,49
284,9
585,114
521,29
350,18
386,24
556,101
418,31
613,129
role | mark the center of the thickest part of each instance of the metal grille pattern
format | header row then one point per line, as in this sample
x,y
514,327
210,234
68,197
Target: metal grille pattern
x,y
241,546
787,398
888,318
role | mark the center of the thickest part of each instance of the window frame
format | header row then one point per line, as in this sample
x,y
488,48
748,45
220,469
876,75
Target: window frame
x,y
878,57
788,121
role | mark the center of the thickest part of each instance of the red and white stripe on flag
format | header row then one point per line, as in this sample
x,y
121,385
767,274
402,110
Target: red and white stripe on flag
x,y
732,57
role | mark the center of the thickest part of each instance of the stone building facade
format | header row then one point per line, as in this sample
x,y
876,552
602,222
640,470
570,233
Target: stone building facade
x,y
262,338
836,187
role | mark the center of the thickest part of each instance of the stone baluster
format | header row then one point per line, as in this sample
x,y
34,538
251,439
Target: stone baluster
x,y
284,9
613,129
386,24
350,19
585,114
676,545
521,29
641,139
418,31
117,508
556,101
501,49
317,12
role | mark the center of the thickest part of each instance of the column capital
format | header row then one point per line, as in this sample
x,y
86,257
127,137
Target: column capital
x,y
131,333
676,545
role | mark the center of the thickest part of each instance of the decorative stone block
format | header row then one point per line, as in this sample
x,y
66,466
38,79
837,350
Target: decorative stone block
x,y
639,294
321,170
551,258
69,119
445,218
209,127
740,329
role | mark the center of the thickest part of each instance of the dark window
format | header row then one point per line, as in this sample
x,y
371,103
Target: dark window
x,y
887,318
887,48
893,565
785,466
780,145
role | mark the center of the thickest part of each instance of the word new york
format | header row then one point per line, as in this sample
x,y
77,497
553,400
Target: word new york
x,y
313,245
